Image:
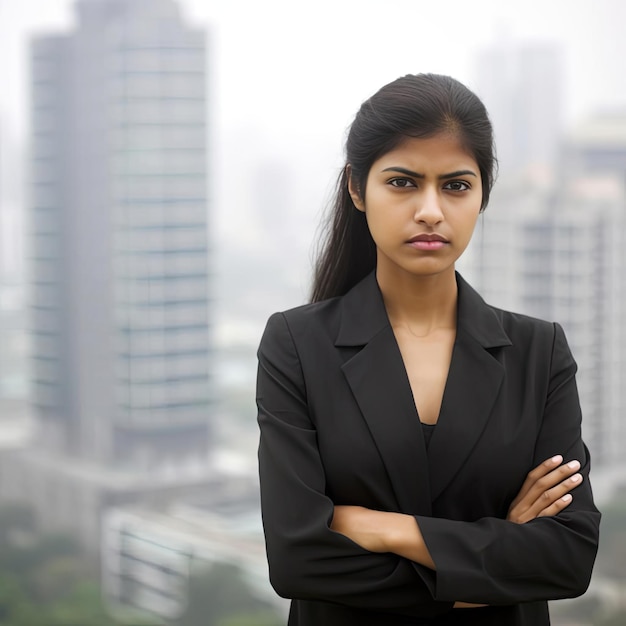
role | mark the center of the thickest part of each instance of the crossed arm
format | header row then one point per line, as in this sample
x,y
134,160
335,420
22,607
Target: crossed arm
x,y
545,492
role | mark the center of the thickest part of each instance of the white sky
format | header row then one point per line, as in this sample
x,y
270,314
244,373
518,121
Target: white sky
x,y
278,64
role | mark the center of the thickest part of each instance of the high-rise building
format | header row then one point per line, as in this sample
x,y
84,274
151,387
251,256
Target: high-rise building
x,y
558,256
558,253
596,145
119,253
589,281
552,242
521,85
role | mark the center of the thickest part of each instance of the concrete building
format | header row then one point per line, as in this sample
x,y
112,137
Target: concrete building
x,y
150,555
560,257
522,87
558,252
596,146
552,242
119,252
589,280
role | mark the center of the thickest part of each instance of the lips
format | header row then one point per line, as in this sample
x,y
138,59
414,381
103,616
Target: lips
x,y
431,242
428,237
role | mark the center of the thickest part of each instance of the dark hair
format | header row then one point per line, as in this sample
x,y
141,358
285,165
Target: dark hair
x,y
421,106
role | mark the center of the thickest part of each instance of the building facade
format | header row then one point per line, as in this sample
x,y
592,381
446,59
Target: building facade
x,y
558,256
552,242
148,556
557,252
119,237
521,85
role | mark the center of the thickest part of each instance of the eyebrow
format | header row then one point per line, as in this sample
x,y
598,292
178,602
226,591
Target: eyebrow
x,y
402,170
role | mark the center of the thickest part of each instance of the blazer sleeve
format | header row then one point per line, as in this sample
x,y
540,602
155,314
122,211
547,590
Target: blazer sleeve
x,y
494,561
307,560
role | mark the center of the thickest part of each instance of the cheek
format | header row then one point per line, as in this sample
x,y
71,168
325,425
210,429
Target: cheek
x,y
385,213
382,226
467,222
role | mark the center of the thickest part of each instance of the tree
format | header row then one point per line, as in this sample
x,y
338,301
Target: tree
x,y
44,579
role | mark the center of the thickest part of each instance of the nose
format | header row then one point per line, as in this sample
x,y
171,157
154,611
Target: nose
x,y
428,209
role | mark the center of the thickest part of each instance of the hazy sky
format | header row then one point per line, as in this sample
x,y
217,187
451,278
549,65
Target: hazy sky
x,y
278,64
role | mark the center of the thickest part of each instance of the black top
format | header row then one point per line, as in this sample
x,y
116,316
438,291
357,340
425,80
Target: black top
x,y
427,430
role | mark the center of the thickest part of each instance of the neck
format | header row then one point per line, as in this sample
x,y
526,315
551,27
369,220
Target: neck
x,y
423,304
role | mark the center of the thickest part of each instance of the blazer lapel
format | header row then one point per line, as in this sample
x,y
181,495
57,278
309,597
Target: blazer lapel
x,y
378,380
473,384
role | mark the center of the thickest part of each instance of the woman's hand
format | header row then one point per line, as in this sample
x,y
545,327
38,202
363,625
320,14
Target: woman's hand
x,y
545,491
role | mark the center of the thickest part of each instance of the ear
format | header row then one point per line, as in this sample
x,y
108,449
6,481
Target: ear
x,y
353,190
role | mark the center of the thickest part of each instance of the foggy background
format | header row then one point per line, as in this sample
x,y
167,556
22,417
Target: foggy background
x,y
156,487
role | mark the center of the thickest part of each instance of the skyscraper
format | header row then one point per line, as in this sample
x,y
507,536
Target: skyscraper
x,y
120,300
553,240
558,252
589,293
559,257
522,87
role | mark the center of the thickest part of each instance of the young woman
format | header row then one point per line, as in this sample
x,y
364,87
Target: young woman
x,y
420,456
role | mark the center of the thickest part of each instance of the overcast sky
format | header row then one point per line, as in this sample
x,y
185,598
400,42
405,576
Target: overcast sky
x,y
278,62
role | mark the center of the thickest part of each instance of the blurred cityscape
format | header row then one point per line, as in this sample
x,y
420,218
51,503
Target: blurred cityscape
x,y
128,330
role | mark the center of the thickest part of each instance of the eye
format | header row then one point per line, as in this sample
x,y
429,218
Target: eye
x,y
457,185
401,182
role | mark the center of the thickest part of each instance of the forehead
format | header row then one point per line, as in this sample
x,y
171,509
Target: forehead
x,y
438,150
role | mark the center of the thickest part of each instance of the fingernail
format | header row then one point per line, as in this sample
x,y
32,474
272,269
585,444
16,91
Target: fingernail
x,y
557,459
575,478
573,465
566,497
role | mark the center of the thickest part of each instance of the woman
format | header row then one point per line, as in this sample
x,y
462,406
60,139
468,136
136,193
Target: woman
x,y
420,456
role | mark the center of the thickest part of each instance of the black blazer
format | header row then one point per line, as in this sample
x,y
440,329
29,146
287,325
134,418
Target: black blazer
x,y
339,426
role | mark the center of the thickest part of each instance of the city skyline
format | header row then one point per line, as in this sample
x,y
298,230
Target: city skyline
x,y
284,90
